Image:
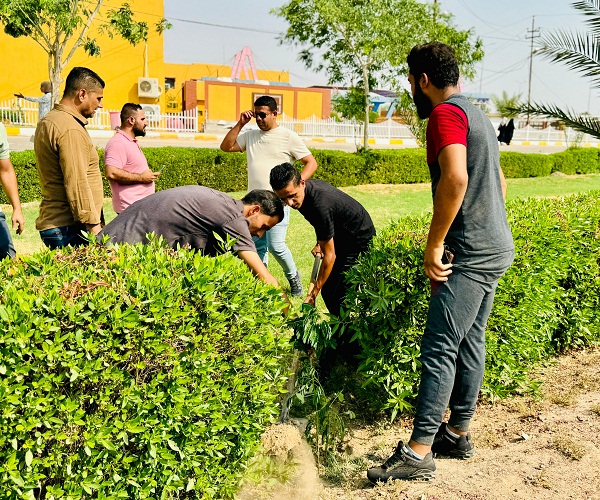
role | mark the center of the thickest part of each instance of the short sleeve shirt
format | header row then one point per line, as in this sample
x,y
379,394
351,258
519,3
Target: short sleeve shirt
x,y
265,150
125,153
4,148
334,214
184,216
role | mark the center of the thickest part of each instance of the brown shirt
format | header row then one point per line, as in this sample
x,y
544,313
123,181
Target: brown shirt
x,y
68,166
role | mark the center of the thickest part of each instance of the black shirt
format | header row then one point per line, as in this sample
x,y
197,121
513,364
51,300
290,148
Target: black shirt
x,y
334,214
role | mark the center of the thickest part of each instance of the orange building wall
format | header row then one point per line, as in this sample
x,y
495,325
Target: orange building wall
x,y
119,65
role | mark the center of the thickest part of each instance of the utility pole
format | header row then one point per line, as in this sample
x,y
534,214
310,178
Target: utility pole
x,y
532,34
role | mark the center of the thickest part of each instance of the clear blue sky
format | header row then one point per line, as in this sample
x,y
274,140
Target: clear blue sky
x,y
213,32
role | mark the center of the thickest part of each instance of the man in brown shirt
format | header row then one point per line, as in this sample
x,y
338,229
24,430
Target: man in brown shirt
x,y
68,164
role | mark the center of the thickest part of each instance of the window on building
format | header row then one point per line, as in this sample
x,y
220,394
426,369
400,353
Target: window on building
x,y
169,83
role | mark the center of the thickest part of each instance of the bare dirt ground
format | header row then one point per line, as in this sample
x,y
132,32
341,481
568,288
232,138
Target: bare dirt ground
x,y
527,448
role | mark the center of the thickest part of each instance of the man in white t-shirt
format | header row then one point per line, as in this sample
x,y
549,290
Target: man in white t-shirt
x,y
124,162
265,148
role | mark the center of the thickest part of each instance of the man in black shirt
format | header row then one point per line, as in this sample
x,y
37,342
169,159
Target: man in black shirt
x,y
190,216
342,226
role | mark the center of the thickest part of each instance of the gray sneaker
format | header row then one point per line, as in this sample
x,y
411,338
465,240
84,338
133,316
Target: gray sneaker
x,y
446,446
401,466
296,285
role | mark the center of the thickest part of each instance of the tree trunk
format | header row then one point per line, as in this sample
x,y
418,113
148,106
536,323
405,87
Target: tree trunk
x,y
367,91
55,70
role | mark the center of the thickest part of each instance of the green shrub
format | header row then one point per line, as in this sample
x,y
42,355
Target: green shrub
x,y
577,161
545,303
525,165
228,171
135,372
386,166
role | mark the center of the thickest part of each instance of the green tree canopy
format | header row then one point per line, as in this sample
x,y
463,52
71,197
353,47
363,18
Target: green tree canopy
x,y
61,27
363,43
505,104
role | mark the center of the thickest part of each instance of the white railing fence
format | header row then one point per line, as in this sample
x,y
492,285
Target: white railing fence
x,y
316,127
25,113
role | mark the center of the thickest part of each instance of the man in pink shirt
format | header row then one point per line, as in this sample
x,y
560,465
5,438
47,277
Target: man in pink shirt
x,y
125,164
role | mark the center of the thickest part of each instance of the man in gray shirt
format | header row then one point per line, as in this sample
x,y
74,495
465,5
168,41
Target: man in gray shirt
x,y
191,216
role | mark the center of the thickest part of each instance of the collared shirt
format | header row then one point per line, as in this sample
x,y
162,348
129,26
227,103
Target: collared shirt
x,y
125,153
68,166
44,104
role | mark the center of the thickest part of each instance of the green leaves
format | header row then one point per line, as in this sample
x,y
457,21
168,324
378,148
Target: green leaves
x,y
144,373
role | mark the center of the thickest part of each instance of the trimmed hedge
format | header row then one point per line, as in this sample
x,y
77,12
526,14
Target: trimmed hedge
x,y
547,302
227,171
134,372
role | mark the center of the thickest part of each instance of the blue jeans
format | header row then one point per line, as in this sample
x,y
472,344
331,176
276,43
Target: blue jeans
x,y
7,248
58,237
453,351
273,241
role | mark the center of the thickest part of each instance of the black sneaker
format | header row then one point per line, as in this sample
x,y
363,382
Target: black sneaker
x,y
296,285
401,466
445,445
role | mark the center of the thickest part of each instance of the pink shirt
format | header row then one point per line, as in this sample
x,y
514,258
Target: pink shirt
x,y
124,152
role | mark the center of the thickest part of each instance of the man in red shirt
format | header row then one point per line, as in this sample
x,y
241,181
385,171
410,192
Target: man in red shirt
x,y
469,247
124,162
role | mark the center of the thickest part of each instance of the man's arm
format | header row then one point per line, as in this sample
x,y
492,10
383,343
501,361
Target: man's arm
x,y
254,262
229,144
310,166
449,196
503,184
9,184
327,250
121,176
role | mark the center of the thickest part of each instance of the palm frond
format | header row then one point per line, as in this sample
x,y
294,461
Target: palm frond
x,y
582,123
580,52
591,10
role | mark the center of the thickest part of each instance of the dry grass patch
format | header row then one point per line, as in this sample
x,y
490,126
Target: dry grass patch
x,y
568,447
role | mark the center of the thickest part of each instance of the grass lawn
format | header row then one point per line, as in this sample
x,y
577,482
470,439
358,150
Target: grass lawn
x,y
383,202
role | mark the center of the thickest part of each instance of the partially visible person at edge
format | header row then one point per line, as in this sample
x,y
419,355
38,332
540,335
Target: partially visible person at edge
x,y
265,148
9,184
343,230
469,247
44,101
510,130
68,164
189,216
125,165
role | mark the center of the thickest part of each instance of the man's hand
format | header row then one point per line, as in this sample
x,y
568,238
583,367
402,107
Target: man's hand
x,y
18,221
310,299
93,228
434,268
317,251
147,176
245,117
19,95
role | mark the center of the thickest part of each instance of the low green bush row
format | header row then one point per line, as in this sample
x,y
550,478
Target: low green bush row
x,y
547,301
227,171
134,372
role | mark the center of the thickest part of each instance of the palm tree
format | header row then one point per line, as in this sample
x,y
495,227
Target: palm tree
x,y
506,104
580,52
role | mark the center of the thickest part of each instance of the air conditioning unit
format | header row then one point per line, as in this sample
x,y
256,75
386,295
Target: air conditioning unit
x,y
152,112
148,87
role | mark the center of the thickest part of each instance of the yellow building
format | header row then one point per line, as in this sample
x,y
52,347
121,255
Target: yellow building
x,y
123,67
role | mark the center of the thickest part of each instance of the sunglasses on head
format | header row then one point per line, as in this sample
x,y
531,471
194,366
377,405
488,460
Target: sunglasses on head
x,y
260,114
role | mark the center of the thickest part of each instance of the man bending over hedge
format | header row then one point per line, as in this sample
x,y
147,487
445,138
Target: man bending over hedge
x,y
189,216
469,247
343,230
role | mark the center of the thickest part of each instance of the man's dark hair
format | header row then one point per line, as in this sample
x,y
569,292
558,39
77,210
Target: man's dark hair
x,y
128,110
437,61
283,174
268,201
82,78
266,100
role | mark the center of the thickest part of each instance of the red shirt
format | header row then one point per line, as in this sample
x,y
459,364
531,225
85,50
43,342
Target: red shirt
x,y
447,125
